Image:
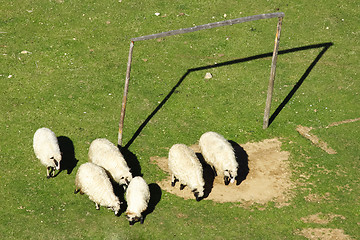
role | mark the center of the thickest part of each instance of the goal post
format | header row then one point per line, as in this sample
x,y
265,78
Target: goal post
x,y
278,15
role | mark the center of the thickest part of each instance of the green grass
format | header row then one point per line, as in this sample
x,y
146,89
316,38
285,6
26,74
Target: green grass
x,y
72,82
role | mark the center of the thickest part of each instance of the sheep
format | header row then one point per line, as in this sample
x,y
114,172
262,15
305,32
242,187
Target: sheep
x,y
104,153
219,154
137,197
92,180
47,150
186,168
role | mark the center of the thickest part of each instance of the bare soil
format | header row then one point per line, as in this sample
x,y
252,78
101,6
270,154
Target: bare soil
x,y
305,132
324,234
264,176
321,218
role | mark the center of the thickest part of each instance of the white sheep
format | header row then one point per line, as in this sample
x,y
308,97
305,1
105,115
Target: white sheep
x,y
186,168
92,180
137,197
104,153
47,150
219,154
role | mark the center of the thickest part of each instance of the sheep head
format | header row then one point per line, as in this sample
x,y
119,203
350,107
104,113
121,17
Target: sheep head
x,y
56,159
133,218
116,208
125,180
229,176
198,194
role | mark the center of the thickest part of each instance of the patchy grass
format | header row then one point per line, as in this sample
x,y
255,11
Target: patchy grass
x,y
63,66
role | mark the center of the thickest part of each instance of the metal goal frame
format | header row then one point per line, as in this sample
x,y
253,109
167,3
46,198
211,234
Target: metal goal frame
x,y
279,15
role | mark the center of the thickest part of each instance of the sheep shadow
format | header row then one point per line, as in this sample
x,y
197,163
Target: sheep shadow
x,y
208,175
68,160
242,158
120,193
155,197
132,161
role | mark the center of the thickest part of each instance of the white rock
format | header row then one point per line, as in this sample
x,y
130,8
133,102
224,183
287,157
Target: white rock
x,y
208,75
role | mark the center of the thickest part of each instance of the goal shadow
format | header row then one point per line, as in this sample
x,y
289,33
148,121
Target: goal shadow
x,y
324,46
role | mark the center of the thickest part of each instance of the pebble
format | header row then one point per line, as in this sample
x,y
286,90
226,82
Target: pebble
x,y
208,75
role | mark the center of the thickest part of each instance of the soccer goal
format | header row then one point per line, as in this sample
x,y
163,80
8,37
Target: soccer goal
x,y
278,15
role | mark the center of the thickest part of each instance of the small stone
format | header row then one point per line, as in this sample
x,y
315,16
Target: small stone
x,y
208,75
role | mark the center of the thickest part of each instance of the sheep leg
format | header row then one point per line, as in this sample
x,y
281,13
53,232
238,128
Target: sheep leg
x,y
97,206
78,190
49,171
142,219
196,194
182,186
173,180
226,180
116,213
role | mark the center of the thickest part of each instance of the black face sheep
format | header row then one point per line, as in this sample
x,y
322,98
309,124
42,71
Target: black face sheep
x,y
186,168
47,150
104,153
137,197
92,180
218,152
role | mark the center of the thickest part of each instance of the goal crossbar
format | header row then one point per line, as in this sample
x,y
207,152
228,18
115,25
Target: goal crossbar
x,y
209,25
279,15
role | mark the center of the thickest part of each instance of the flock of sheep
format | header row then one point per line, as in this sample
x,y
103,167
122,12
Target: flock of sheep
x,y
106,164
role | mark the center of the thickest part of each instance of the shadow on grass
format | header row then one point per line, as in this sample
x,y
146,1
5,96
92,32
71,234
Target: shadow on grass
x,y
120,193
68,160
155,197
132,161
325,47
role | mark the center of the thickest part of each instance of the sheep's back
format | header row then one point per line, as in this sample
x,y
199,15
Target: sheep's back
x,y
217,151
137,195
104,153
184,164
46,145
94,182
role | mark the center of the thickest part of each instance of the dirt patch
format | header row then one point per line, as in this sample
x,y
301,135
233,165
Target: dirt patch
x,y
321,218
305,132
317,198
324,234
265,176
343,122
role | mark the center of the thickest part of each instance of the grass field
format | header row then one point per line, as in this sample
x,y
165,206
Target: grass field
x,y
63,65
